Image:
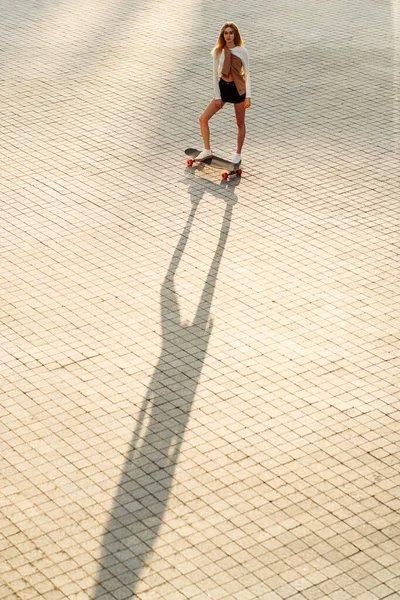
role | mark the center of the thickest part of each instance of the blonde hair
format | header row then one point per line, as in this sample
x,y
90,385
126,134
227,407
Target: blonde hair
x,y
220,43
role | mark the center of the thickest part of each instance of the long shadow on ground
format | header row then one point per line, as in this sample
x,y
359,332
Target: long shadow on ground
x,y
148,473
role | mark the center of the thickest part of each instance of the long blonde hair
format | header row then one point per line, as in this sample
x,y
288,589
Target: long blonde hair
x,y
220,43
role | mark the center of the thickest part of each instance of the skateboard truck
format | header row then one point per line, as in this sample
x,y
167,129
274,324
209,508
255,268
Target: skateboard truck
x,y
228,175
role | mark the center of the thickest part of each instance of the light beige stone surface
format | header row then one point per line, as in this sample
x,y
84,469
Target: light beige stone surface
x,y
199,380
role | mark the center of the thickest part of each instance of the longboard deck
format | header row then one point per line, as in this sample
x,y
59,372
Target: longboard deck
x,y
214,161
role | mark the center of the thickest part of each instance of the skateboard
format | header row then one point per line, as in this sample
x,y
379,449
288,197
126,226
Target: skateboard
x,y
233,170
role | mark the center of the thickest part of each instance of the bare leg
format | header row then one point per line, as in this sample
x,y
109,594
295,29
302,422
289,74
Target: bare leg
x,y
240,116
204,119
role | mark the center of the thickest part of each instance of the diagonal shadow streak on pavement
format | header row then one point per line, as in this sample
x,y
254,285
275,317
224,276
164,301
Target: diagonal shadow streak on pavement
x,y
145,484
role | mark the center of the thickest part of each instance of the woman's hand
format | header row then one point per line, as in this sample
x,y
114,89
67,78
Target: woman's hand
x,y
219,103
247,103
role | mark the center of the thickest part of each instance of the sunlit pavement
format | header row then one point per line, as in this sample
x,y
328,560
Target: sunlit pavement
x,y
200,380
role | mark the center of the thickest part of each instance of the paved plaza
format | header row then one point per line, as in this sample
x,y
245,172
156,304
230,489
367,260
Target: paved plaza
x,y
199,379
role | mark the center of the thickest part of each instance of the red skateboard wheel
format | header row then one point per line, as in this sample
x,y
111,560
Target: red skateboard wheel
x,y
189,162
225,175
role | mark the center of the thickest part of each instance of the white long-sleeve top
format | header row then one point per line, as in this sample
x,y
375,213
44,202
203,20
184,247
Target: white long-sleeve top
x,y
242,53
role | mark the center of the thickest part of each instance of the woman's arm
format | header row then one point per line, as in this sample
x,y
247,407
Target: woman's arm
x,y
246,69
216,62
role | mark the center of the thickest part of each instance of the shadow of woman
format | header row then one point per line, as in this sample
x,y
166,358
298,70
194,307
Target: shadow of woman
x,y
148,473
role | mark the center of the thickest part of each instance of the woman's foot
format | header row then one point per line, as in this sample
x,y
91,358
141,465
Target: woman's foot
x,y
204,154
237,158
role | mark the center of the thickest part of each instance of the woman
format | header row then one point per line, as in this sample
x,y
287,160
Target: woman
x,y
231,84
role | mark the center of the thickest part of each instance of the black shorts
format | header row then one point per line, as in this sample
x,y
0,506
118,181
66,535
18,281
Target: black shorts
x,y
229,92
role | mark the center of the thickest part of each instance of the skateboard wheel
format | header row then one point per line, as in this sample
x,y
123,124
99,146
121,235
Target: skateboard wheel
x,y
189,162
239,172
225,175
